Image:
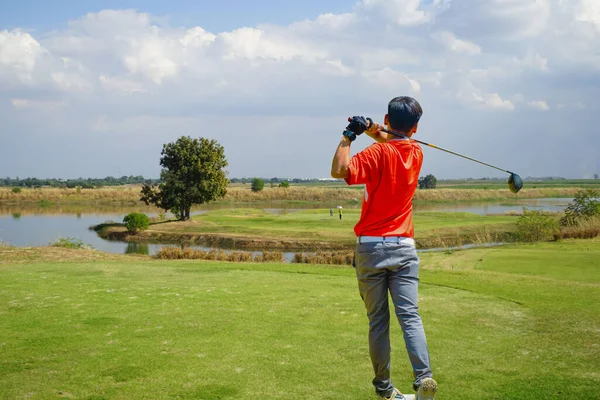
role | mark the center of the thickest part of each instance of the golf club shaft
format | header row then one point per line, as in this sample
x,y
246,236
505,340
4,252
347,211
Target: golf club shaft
x,y
441,148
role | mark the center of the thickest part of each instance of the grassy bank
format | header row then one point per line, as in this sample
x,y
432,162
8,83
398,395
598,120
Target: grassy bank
x,y
130,195
515,323
314,229
532,184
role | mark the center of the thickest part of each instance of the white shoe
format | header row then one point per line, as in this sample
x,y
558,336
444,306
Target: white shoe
x,y
427,390
396,395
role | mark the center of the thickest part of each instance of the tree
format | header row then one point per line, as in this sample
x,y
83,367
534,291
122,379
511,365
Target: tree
x,y
192,173
429,182
284,184
595,176
257,185
585,204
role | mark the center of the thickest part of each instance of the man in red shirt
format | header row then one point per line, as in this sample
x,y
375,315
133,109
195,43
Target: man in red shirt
x,y
385,256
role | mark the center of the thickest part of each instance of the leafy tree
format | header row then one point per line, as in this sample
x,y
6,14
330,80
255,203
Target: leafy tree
x,y
586,204
257,185
284,184
192,173
135,222
429,182
595,176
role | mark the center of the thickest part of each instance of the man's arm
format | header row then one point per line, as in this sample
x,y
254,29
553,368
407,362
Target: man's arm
x,y
341,159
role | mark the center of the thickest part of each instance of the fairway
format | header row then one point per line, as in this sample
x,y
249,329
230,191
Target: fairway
x,y
316,228
134,328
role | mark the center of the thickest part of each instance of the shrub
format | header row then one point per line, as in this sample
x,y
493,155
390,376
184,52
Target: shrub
x,y
284,184
70,243
535,226
135,222
257,185
16,190
585,205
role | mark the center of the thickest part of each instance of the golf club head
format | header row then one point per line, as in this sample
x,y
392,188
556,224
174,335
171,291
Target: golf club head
x,y
515,183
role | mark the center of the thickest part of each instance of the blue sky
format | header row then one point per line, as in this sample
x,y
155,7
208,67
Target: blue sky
x,y
213,15
96,88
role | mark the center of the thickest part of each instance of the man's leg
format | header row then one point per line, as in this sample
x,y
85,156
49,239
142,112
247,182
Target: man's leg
x,y
373,288
404,283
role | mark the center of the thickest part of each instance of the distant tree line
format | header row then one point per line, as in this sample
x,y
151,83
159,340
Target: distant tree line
x,y
88,183
427,182
276,180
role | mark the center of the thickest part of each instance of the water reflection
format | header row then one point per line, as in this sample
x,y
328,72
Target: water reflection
x,y
137,248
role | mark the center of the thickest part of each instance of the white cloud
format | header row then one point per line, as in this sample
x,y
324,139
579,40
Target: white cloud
x,y
540,105
20,103
116,70
589,11
455,44
534,61
401,12
121,85
493,100
43,105
251,43
497,20
19,52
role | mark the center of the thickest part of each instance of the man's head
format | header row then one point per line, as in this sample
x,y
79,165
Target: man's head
x,y
403,115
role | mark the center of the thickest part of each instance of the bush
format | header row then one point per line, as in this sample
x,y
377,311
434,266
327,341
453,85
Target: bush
x,y
135,222
16,190
535,226
284,184
585,205
257,185
70,243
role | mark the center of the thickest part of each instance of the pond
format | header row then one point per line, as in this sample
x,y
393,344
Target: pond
x,y
38,226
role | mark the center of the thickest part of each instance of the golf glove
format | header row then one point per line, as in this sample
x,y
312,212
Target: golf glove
x,y
356,127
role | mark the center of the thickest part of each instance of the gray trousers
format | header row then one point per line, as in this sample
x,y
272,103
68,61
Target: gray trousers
x,y
391,267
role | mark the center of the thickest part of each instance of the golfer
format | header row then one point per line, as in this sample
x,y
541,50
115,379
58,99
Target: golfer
x,y
385,256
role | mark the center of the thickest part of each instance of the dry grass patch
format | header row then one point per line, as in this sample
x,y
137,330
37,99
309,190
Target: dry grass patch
x,y
325,257
584,229
131,194
177,253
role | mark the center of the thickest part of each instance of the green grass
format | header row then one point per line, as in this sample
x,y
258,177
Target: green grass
x,y
319,226
518,322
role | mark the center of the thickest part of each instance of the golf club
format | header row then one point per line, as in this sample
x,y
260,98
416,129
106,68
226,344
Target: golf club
x,y
515,183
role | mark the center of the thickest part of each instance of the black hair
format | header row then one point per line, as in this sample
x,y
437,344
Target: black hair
x,y
403,113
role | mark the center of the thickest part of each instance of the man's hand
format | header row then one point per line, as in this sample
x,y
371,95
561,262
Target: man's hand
x,y
356,127
375,131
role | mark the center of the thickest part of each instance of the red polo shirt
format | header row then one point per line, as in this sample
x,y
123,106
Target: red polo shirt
x,y
390,173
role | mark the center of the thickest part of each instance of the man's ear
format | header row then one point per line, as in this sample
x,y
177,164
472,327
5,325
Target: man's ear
x,y
413,130
386,119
